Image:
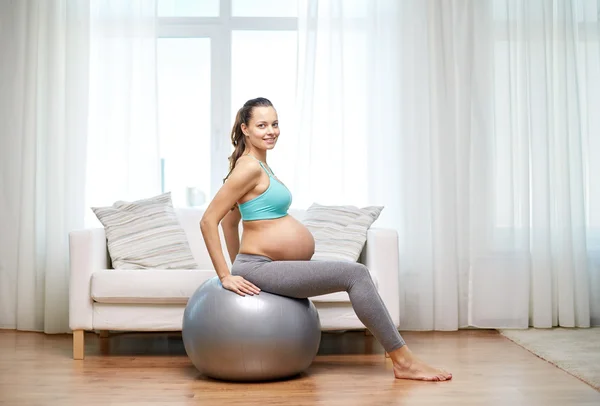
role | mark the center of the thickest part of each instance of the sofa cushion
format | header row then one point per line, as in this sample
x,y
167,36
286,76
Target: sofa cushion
x,y
145,234
160,286
340,232
337,297
148,286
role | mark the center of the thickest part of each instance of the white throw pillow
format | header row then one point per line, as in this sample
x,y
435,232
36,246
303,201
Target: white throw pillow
x,y
340,232
145,234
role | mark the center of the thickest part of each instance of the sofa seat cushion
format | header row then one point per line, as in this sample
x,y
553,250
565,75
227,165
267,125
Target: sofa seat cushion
x,y
164,286
147,286
337,297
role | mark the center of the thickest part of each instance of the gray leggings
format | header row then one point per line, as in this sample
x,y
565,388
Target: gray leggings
x,y
304,279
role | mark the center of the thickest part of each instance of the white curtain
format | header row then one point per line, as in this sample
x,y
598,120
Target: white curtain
x,y
77,128
43,108
123,143
334,99
473,123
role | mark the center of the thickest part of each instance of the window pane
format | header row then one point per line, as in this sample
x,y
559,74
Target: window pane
x,y
264,65
264,8
184,78
188,8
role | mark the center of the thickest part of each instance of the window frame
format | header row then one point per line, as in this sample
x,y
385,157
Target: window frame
x,y
219,30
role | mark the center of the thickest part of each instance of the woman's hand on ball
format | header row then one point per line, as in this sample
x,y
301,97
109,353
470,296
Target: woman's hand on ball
x,y
239,285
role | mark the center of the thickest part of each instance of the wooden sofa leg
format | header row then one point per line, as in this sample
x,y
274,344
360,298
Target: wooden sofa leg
x,y
78,342
103,333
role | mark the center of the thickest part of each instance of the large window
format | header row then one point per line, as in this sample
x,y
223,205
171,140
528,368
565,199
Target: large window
x,y
213,56
184,105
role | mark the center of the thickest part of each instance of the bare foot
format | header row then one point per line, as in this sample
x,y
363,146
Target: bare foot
x,y
407,366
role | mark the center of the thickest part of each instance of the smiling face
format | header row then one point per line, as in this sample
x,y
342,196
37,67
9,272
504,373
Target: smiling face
x,y
262,130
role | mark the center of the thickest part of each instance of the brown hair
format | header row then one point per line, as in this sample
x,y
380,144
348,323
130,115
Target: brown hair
x,y
238,140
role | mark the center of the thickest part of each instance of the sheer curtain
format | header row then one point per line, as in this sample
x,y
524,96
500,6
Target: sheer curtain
x,y
337,42
43,108
546,205
123,143
77,127
472,122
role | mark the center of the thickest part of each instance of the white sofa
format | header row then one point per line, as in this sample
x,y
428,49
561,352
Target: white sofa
x,y
104,299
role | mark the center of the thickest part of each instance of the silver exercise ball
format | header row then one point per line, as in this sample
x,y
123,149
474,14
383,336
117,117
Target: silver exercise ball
x,y
249,338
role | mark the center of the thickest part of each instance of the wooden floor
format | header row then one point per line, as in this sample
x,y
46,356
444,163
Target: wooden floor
x,y
153,369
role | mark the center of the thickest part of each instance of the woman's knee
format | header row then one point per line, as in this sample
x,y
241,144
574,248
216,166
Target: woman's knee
x,y
360,271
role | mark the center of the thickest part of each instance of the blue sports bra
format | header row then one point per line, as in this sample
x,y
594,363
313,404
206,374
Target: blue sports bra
x,y
271,204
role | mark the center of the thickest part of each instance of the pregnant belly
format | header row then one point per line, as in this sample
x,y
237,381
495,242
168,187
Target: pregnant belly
x,y
283,239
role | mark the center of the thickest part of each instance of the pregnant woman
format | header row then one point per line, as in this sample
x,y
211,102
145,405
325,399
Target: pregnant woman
x,y
275,251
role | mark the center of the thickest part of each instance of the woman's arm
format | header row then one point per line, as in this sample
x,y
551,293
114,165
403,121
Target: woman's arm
x,y
230,225
242,179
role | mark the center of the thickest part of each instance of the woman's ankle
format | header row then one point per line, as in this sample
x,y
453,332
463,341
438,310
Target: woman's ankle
x,y
401,355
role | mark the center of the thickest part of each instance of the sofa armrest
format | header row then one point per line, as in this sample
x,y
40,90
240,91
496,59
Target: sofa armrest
x,y
87,253
381,256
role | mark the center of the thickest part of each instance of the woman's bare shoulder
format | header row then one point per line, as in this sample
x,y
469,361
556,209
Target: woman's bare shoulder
x,y
246,170
244,177
246,166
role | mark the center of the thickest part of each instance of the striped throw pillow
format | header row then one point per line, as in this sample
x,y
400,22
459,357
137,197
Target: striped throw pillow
x,y
145,234
340,232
